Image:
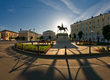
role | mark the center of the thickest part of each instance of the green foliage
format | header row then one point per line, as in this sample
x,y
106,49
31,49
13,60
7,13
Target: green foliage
x,y
80,34
106,32
11,37
70,36
19,45
74,36
17,38
32,48
41,37
49,37
95,43
31,37
101,49
23,38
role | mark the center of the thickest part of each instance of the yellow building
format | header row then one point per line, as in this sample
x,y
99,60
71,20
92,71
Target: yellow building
x,y
91,28
5,34
27,34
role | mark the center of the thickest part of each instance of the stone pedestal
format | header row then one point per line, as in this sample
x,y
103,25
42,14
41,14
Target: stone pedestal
x,y
62,37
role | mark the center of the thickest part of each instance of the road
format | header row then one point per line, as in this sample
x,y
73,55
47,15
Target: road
x,y
17,65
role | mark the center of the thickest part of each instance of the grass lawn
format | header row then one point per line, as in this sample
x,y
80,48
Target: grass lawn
x,y
32,48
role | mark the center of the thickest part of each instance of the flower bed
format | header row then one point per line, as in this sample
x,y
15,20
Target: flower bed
x,y
102,49
32,48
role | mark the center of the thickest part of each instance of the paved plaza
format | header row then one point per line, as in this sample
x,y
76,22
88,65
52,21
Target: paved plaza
x,y
18,65
71,49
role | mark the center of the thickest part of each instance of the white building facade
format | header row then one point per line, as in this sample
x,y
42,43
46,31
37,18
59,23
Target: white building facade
x,y
48,33
27,34
91,28
0,35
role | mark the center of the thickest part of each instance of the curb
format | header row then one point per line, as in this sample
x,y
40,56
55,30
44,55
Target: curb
x,y
47,49
77,55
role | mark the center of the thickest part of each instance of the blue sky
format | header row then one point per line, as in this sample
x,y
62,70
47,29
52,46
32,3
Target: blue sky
x,y
47,14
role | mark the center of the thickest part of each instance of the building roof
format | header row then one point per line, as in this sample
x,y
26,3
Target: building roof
x,y
28,31
8,31
48,31
91,18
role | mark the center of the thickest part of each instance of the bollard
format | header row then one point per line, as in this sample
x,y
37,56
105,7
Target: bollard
x,y
15,45
90,49
22,46
38,48
65,49
108,49
32,42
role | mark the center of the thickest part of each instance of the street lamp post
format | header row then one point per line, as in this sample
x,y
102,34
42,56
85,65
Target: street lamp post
x,y
92,35
92,29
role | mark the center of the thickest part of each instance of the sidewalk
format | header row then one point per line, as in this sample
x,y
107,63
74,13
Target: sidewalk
x,y
71,49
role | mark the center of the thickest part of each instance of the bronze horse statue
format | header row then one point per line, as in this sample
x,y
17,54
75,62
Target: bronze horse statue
x,y
62,28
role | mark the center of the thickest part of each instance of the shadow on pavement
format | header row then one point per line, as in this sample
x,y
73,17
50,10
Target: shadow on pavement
x,y
50,72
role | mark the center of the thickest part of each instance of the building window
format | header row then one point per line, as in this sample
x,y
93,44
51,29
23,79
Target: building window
x,y
86,33
89,32
94,21
102,25
83,24
102,19
77,29
90,27
83,32
86,23
86,28
77,25
83,28
98,21
97,32
80,25
94,27
98,26
108,18
108,24
90,22
94,33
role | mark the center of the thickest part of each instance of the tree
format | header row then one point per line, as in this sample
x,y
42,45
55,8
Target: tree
x,y
31,37
11,38
106,32
41,37
37,37
74,35
80,34
23,38
17,38
70,36
50,37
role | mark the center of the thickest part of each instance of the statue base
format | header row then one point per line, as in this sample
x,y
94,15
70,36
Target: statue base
x,y
62,37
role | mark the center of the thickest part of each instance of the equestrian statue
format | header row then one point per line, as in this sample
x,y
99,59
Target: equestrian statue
x,y
62,28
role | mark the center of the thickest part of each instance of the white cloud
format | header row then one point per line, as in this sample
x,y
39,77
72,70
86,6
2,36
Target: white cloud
x,y
52,4
2,27
95,10
71,6
11,9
